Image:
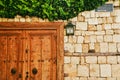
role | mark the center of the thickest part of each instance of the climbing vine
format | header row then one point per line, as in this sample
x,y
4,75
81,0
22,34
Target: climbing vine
x,y
50,9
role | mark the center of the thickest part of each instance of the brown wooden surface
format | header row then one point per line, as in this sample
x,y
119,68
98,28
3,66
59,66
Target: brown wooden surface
x,y
25,46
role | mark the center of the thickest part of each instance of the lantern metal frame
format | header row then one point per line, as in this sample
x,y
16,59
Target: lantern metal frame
x,y
70,29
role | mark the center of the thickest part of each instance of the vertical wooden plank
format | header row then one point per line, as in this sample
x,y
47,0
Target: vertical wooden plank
x,y
54,57
3,57
24,69
35,57
12,53
46,56
60,52
20,57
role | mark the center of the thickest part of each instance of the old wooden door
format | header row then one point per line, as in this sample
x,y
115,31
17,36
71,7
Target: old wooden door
x,y
31,51
28,55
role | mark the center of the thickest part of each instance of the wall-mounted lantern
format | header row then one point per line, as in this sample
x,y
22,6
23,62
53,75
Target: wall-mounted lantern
x,y
69,29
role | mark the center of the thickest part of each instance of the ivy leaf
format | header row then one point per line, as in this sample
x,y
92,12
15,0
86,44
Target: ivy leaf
x,y
2,4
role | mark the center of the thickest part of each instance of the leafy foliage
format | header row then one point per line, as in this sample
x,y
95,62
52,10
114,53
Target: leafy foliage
x,y
50,9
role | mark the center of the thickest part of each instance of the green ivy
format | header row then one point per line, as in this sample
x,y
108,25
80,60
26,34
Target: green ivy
x,y
47,9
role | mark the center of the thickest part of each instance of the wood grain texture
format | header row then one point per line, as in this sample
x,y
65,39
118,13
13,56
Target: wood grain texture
x,y
25,46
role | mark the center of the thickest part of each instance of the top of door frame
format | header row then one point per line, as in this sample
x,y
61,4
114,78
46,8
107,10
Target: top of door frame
x,y
30,25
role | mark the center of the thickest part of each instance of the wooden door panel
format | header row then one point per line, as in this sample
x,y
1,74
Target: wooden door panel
x,y
35,57
42,56
13,57
46,57
3,57
9,55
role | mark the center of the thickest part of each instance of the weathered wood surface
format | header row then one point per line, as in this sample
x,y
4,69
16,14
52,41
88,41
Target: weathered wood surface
x,y
38,47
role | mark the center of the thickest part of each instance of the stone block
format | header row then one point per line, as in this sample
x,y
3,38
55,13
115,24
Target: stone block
x,y
69,47
87,39
92,78
75,78
103,14
75,60
116,3
93,21
81,25
99,32
104,20
83,78
86,14
67,59
118,47
97,47
108,38
72,39
116,70
108,32
103,47
35,19
83,33
116,12
41,20
81,18
82,60
10,20
92,28
93,38
111,78
92,13
107,26
112,59
99,38
92,46
85,48
22,19
78,33
118,59
101,79
100,28
105,70
65,39
78,48
100,21
118,78
91,59
0,19
117,31
4,19
116,38
28,19
102,59
89,33
67,78
116,26
70,69
94,70
83,70
112,47
117,19
80,39
16,19
109,20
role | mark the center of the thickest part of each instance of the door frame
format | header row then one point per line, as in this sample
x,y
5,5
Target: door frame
x,y
58,26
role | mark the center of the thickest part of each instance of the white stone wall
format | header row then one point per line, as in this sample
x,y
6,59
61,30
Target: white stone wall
x,y
94,67
96,31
